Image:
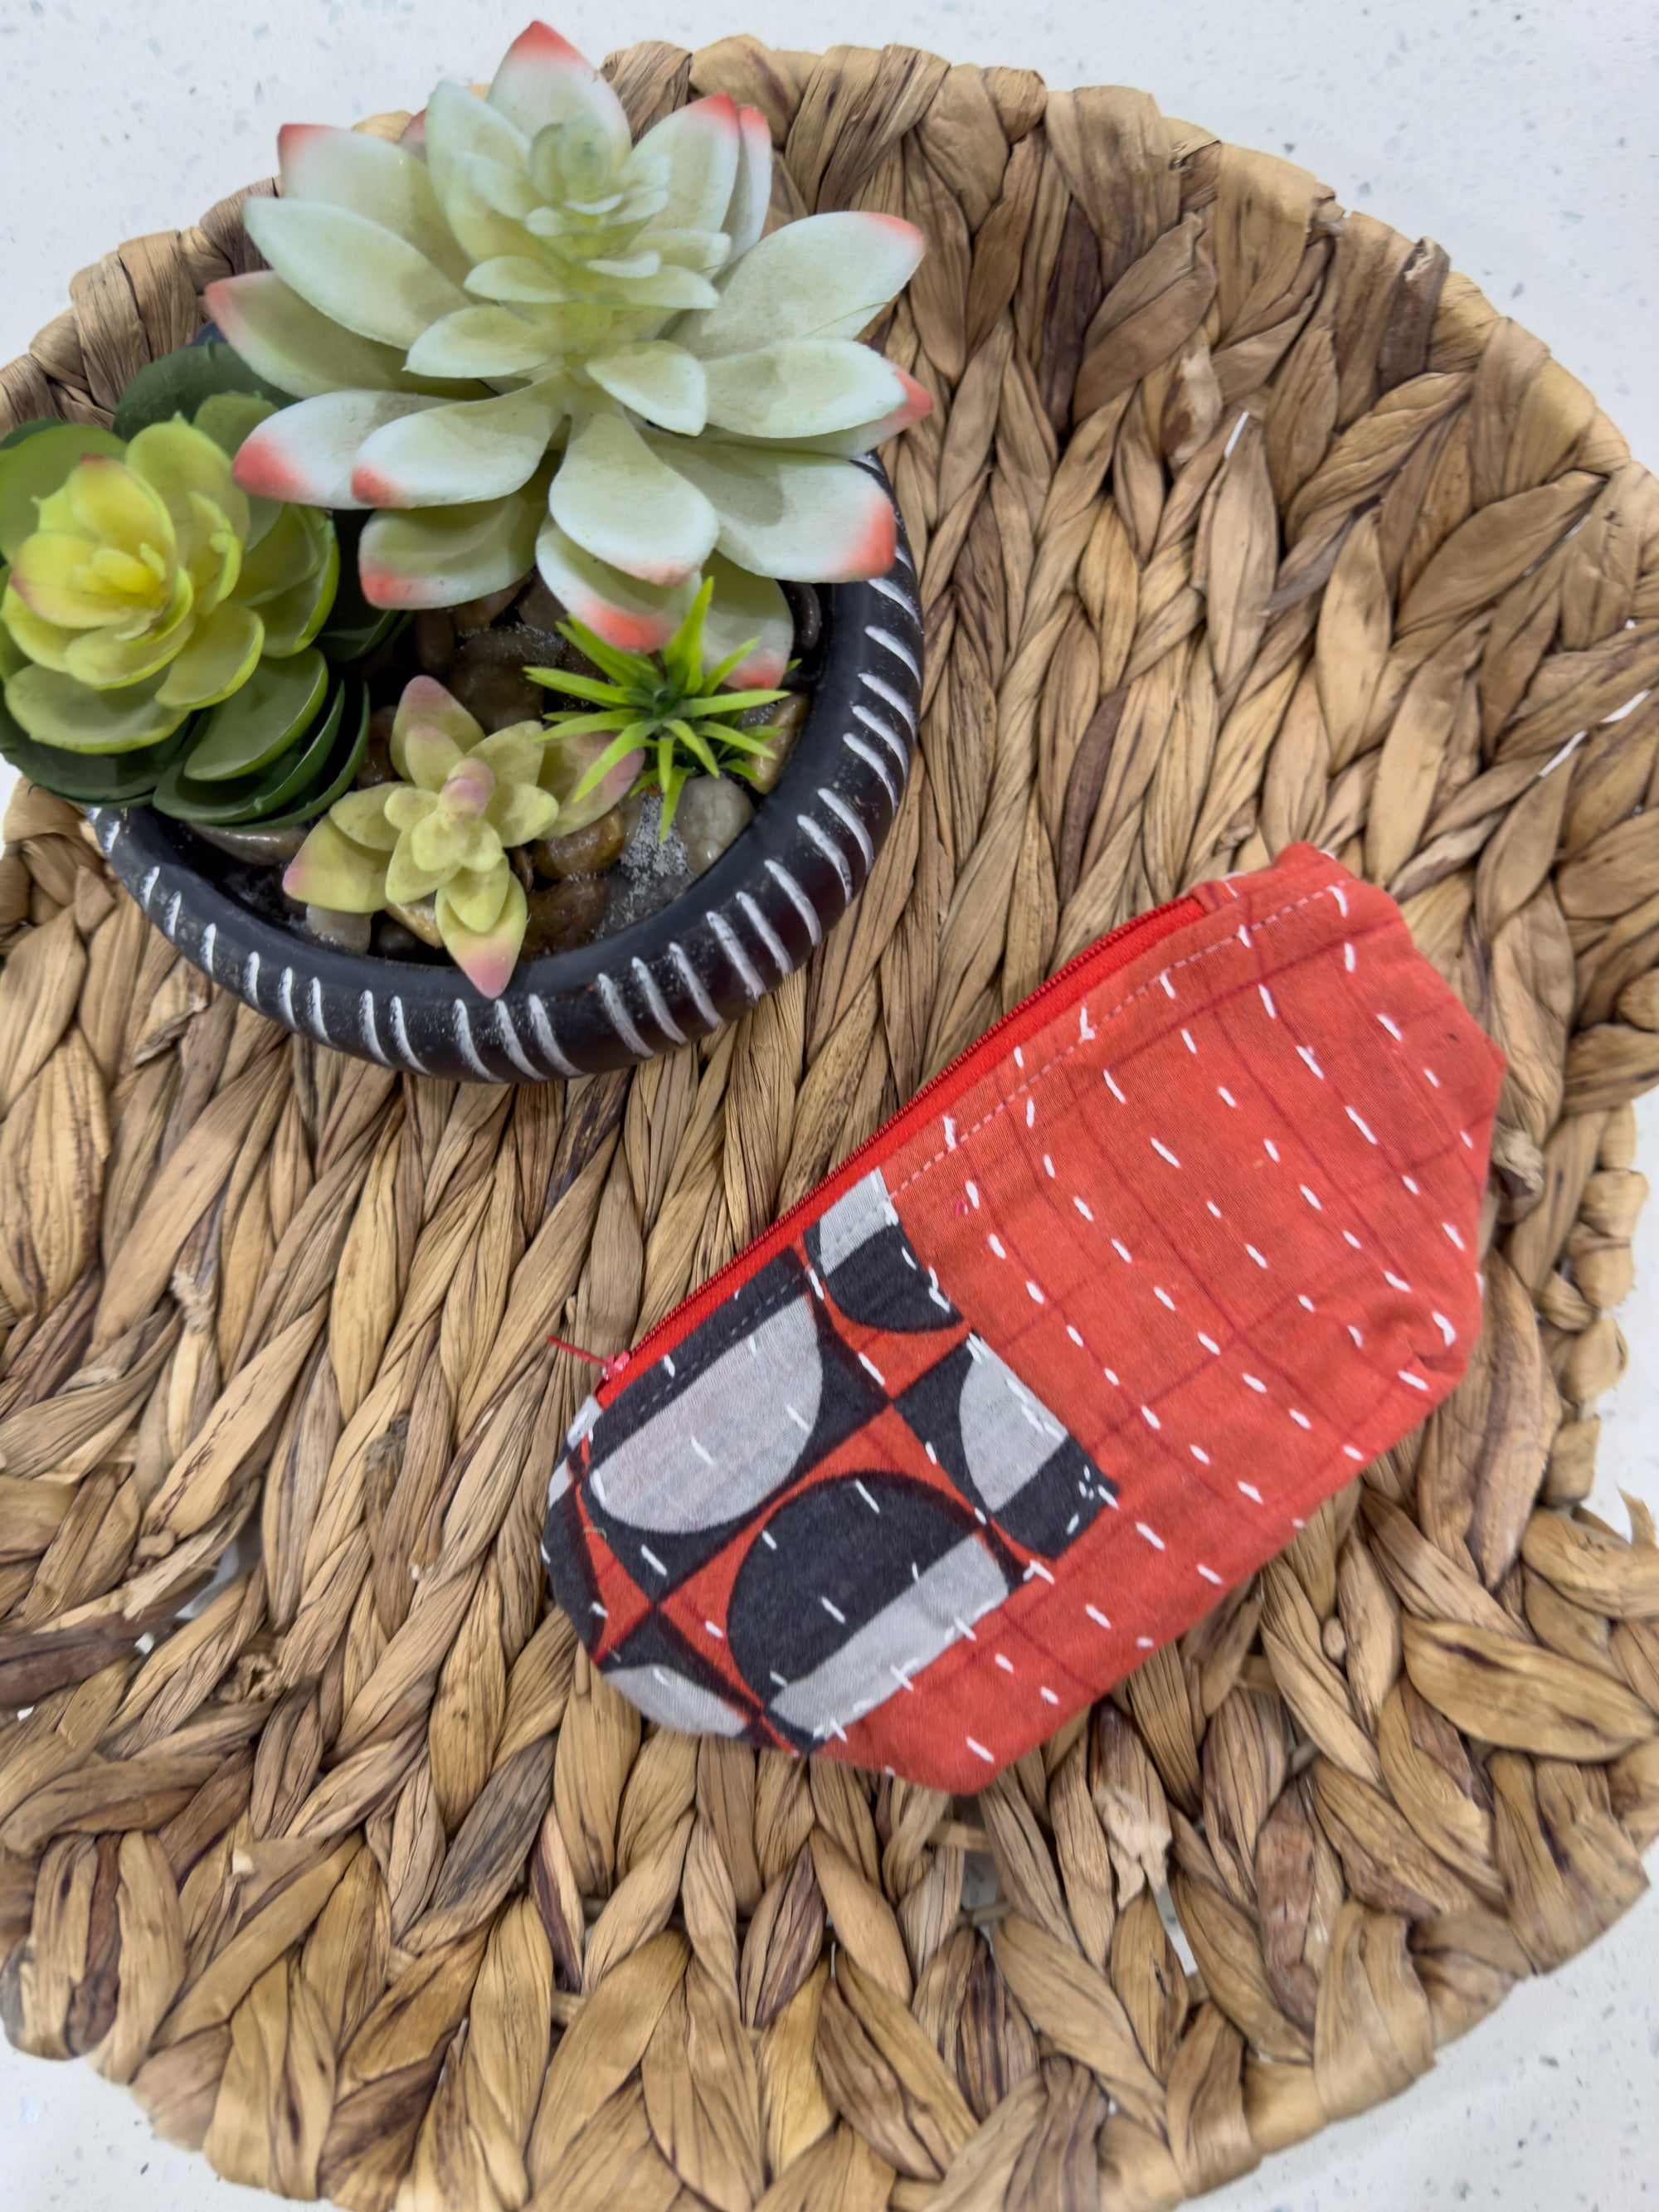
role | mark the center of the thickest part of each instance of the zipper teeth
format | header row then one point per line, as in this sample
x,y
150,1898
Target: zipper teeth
x,y
679,1323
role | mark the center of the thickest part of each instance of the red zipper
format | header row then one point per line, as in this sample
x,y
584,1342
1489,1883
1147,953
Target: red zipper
x,y
1102,958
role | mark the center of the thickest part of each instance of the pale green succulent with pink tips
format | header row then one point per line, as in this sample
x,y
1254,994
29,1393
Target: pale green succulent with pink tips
x,y
520,337
442,832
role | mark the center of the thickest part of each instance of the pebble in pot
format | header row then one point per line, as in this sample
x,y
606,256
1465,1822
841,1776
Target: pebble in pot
x,y
712,812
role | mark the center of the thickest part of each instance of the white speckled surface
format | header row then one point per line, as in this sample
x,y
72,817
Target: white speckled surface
x,y
1523,137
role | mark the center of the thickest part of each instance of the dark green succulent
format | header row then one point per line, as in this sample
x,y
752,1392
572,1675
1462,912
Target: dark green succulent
x,y
664,710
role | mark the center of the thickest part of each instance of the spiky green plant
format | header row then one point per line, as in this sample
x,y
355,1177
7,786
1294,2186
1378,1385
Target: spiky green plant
x,y
665,712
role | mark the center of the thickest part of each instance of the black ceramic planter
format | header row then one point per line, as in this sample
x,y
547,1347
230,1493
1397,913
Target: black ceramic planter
x,y
744,924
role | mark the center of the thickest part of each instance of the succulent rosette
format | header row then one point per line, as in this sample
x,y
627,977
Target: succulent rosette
x,y
144,583
441,830
519,337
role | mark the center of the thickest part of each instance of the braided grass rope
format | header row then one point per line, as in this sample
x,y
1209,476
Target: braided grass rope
x,y
1239,520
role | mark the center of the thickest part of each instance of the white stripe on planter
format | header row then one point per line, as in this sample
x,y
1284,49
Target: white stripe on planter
x,y
830,850
317,1021
659,1006
210,939
872,759
400,1038
845,814
171,922
802,904
546,1043
768,936
147,889
469,1051
367,1030
901,557
694,984
618,1016
890,739
896,700
747,974
888,643
251,980
508,1031
285,995
889,590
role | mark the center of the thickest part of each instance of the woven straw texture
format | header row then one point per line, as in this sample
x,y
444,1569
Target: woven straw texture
x,y
1239,520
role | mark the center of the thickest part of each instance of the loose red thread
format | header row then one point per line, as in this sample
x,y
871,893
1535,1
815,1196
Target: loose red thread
x,y
610,1367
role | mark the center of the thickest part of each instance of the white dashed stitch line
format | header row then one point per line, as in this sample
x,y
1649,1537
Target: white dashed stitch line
x,y
1209,1574
769,1540
979,1750
1358,1121
1358,1339
1207,952
1394,1282
1268,1001
1349,1452
1085,1035
1348,959
1111,1376
1169,987
1254,1383
1150,1417
1448,1333
1072,1334
703,1452
1391,1028
1225,1095
1035,1567
1122,1250
996,1245
1030,1113
1311,1200
1200,1453
652,1560
1466,1141
1145,1644
1096,1616
812,1278
1162,1296
1301,1419
1303,1053
931,1454
1335,890
1186,1039
1415,1381
1255,1255
1082,1209
1432,1077
800,1420
1251,1492
866,1495
1211,1204
833,1610
1035,1295
1150,1535
1048,1167
1209,1343
1244,931
1348,1237
1163,1152
1453,1234
1020,1058
1303,1300
1047,1694
1271,1150
718,1634
871,1370
972,1189
1412,1185
1005,1663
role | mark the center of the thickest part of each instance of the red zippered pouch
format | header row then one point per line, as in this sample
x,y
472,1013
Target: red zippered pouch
x,y
1075,1343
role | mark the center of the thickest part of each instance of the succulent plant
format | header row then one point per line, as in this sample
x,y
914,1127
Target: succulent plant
x,y
654,722
441,831
518,335
142,582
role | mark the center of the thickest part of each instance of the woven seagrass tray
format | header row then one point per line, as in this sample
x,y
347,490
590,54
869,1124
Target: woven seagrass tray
x,y
1240,519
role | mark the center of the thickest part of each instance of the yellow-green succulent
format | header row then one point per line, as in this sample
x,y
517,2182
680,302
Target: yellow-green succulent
x,y
442,832
143,583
